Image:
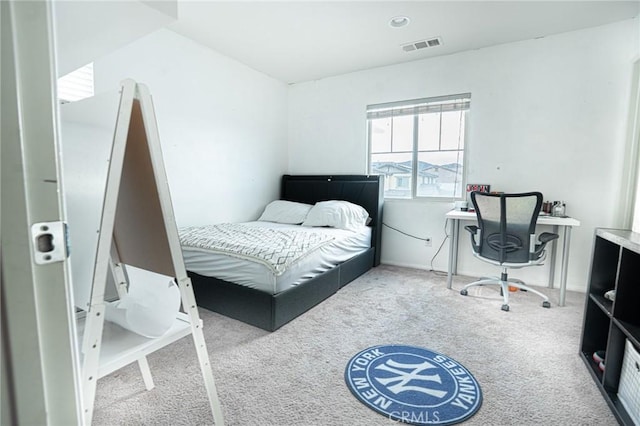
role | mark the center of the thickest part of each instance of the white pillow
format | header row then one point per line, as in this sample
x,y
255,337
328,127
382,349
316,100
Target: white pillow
x,y
337,214
282,211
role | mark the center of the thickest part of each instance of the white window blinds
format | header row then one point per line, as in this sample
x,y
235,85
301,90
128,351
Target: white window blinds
x,y
461,102
76,85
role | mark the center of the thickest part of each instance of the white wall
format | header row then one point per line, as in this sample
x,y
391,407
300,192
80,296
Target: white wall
x,y
547,114
86,133
86,30
222,125
633,153
635,227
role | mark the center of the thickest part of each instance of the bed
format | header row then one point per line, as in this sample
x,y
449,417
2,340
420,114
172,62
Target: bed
x,y
269,303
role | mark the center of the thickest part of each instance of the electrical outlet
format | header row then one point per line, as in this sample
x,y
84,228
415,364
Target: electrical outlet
x,y
427,241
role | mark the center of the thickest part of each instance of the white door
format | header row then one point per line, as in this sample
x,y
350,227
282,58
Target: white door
x,y
40,383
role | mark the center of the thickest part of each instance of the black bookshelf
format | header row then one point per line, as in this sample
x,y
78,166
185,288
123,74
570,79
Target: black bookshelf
x,y
615,264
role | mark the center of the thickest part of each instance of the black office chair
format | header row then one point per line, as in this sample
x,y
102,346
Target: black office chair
x,y
505,236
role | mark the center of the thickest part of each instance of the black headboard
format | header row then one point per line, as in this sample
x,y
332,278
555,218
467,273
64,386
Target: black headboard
x,y
364,190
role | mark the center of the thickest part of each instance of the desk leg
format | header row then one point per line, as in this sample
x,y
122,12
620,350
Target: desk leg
x,y
552,260
565,264
453,252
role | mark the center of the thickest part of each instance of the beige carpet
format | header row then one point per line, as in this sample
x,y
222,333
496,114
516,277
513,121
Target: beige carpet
x,y
525,360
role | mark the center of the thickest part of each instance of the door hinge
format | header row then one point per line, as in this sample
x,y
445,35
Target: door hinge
x,y
50,242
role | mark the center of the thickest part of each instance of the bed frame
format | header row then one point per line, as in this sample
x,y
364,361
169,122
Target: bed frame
x,y
269,311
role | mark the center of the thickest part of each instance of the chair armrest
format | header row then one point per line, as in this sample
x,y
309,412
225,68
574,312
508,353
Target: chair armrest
x,y
472,228
545,237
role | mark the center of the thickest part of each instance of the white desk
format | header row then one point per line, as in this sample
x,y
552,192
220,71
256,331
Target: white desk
x,y
566,223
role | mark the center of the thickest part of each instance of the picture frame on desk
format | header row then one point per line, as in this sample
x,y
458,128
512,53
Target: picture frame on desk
x,y
481,187
478,187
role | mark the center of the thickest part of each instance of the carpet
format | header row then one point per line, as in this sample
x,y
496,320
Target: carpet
x,y
526,360
413,385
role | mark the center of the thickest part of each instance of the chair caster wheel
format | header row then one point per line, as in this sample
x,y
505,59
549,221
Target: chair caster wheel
x,y
505,307
546,304
463,292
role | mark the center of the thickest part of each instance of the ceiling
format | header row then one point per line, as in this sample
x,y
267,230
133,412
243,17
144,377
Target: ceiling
x,y
295,41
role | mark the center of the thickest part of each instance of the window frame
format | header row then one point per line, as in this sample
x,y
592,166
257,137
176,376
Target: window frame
x,y
417,105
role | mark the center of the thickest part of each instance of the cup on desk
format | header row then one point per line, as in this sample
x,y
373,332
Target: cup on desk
x,y
462,206
558,209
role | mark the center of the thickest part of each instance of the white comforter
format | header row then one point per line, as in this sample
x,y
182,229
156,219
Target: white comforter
x,y
277,249
293,254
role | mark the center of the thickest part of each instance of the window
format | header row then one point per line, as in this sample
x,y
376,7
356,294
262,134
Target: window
x,y
76,85
419,146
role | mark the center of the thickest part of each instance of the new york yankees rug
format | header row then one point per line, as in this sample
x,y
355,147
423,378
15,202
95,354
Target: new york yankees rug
x,y
413,385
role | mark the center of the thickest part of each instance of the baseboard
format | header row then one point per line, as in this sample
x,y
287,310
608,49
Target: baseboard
x,y
410,265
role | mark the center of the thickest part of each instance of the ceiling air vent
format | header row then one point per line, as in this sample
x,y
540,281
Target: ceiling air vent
x,y
422,44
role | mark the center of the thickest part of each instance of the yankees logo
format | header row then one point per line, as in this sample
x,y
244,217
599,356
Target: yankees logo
x,y
406,373
413,385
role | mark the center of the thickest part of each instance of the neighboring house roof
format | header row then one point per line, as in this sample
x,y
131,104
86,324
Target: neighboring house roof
x,y
451,167
390,168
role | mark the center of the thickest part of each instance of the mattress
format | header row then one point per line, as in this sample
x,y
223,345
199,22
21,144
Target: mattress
x,y
344,245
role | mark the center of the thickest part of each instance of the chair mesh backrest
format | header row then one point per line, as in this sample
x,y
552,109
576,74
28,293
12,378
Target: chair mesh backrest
x,y
506,223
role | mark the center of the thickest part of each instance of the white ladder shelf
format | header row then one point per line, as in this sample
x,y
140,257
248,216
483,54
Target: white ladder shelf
x,y
137,228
